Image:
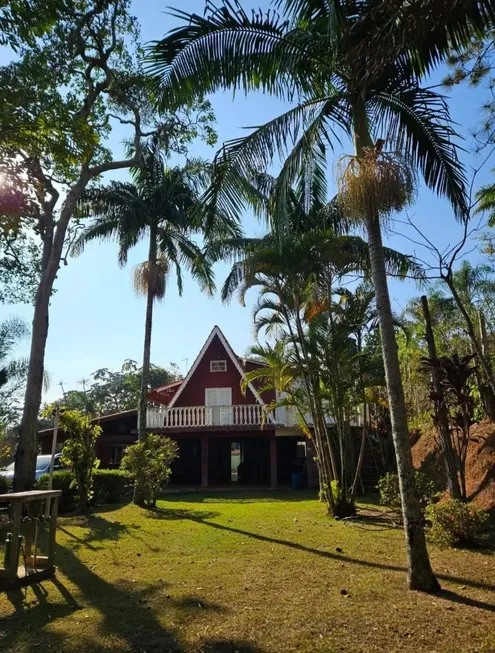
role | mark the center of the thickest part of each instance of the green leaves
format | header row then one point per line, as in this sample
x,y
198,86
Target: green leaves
x,y
485,198
417,122
79,453
162,201
227,48
148,464
323,54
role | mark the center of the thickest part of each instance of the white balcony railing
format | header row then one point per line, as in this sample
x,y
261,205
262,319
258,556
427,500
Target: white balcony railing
x,y
201,416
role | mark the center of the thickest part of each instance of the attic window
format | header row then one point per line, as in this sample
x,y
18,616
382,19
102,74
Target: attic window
x,y
218,366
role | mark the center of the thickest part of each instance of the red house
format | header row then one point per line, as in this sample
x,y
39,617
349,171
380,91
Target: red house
x,y
224,436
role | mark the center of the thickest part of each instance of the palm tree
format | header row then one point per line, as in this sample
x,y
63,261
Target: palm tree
x,y
13,371
159,205
293,268
11,331
351,67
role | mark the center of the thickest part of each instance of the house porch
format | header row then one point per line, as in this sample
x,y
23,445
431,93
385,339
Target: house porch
x,y
226,458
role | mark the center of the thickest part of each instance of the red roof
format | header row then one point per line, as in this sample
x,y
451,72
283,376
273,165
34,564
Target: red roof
x,y
164,393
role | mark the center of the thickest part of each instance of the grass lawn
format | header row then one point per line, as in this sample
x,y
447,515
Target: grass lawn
x,y
253,573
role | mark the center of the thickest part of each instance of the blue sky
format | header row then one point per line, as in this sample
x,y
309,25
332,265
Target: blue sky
x,y
96,320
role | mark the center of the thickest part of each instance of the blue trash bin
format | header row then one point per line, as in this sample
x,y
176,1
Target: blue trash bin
x,y
298,481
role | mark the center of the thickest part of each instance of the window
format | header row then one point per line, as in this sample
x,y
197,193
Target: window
x,y
117,452
218,366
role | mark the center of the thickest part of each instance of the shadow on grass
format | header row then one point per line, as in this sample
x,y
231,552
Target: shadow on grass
x,y
180,514
100,531
28,619
465,600
126,619
197,517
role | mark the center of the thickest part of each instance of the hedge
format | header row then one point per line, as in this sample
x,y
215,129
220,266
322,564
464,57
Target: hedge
x,y
5,484
61,481
109,487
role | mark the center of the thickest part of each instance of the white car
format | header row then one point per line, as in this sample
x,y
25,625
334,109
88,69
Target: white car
x,y
42,466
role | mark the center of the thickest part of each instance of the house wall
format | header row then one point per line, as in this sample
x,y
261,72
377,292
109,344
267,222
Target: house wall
x,y
121,430
194,392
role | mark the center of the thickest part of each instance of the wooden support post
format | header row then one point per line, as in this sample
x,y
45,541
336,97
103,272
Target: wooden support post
x,y
273,462
13,561
28,543
204,461
53,531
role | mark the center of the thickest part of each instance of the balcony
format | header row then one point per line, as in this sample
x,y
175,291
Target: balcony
x,y
193,417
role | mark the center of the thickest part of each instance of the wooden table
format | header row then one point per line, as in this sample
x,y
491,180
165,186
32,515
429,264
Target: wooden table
x,y
36,567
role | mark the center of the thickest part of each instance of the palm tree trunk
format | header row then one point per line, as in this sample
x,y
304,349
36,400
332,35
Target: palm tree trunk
x,y
420,574
148,326
487,394
319,415
138,498
326,468
364,433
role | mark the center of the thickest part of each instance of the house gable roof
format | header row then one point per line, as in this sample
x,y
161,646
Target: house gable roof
x,y
216,331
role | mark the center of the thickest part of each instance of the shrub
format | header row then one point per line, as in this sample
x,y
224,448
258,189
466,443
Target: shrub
x,y
343,506
388,486
5,484
109,485
62,480
148,464
457,524
78,452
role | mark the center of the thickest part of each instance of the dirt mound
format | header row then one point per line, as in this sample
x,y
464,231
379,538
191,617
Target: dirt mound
x,y
480,464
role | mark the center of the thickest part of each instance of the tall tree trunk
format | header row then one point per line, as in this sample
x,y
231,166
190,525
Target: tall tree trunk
x,y
314,397
148,326
420,574
138,497
27,447
364,433
451,467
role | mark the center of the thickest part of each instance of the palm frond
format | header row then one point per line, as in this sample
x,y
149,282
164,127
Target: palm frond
x,y
239,161
486,202
417,121
11,331
228,48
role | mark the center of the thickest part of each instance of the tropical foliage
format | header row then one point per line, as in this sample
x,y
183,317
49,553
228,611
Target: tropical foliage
x,y
457,524
148,464
163,206
354,77
350,69
79,452
320,366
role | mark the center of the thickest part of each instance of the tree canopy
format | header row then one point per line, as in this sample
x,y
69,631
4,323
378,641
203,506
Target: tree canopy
x,y
107,391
